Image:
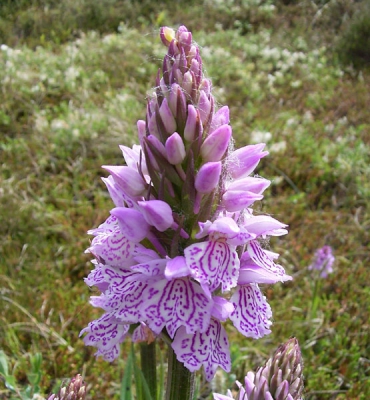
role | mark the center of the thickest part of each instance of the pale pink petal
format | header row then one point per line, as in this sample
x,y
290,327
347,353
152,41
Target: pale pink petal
x,y
151,268
264,225
216,144
261,258
243,161
252,313
222,308
128,178
157,213
106,335
210,349
176,268
214,263
132,223
221,117
176,303
175,149
237,200
124,296
111,246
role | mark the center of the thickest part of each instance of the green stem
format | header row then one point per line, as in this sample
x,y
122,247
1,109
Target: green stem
x,y
149,367
180,381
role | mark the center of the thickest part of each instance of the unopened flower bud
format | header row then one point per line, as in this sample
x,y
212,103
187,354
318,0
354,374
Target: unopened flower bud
x,y
244,160
167,35
175,149
208,177
204,107
75,390
236,200
215,145
190,131
167,117
221,117
157,213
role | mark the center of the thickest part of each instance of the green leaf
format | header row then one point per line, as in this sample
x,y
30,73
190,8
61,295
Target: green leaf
x,y
142,388
3,364
10,382
126,384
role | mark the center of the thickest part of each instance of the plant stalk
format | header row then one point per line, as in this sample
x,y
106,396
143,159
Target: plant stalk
x,y
149,367
180,381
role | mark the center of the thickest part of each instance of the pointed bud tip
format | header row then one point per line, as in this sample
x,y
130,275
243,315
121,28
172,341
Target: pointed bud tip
x,y
167,35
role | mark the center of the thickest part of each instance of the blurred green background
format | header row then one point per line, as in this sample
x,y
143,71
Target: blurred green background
x,y
74,78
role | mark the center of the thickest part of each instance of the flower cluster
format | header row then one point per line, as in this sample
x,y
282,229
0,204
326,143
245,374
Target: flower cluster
x,y
323,261
74,390
182,251
280,378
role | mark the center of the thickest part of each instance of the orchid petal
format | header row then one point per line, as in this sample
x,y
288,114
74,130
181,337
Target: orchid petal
x,y
260,258
238,199
131,222
264,225
128,178
111,246
243,161
175,149
252,313
176,303
167,117
214,263
157,213
210,349
221,117
118,196
249,184
208,177
216,143
123,297
176,268
221,308
106,335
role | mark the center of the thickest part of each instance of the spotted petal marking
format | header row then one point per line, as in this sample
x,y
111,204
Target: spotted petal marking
x,y
259,256
106,335
213,262
97,278
110,246
252,313
210,349
124,295
175,303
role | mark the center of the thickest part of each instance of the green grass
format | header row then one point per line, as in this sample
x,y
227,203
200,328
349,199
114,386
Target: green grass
x,y
74,82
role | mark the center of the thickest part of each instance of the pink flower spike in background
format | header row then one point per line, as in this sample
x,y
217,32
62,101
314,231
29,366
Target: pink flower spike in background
x,y
323,261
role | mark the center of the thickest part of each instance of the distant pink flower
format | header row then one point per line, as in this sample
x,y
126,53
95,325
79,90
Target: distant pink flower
x,y
323,261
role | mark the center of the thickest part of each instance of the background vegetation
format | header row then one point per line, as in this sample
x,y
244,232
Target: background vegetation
x,y
74,76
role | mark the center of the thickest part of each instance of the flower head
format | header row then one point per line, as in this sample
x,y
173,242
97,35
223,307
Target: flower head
x,y
181,251
323,261
75,390
280,378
